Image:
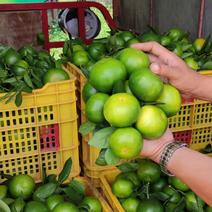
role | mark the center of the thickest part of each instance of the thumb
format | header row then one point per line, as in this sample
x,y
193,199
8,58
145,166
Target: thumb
x,y
162,70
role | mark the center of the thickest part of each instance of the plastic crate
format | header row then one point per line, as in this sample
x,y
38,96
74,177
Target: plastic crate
x,y
184,136
41,132
106,180
91,191
94,173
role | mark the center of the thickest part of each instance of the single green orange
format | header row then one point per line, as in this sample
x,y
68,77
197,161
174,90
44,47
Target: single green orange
x,y
54,200
66,207
169,100
133,59
191,200
80,58
121,110
122,188
150,205
178,184
148,171
21,186
192,63
35,206
159,184
105,73
55,75
152,122
92,203
87,91
126,142
126,35
132,41
97,50
145,85
174,196
131,175
11,57
94,107
130,204
199,43
165,40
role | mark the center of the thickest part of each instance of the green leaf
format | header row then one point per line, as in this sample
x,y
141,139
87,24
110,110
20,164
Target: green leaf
x,y
10,98
128,167
27,80
111,158
75,191
101,158
87,128
51,178
99,138
8,200
4,207
44,191
199,204
18,99
65,172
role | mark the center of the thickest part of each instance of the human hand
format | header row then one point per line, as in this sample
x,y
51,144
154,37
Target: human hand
x,y
167,64
153,148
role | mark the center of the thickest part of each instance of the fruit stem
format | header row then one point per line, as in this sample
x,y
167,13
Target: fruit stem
x,y
147,190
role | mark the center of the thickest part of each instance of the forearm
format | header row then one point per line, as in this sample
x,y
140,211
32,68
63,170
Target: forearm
x,y
194,169
203,88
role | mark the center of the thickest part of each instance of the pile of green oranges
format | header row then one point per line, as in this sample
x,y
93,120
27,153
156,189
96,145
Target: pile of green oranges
x,y
124,94
145,188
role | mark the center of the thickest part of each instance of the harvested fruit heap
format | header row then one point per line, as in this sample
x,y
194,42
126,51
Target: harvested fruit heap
x,y
126,103
20,194
142,187
25,70
197,53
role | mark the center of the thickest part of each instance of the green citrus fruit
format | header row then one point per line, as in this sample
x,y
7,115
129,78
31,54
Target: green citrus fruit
x,y
198,44
77,47
21,186
192,63
175,34
3,191
80,58
132,41
192,202
130,204
65,207
149,36
132,176
126,142
20,68
121,109
35,206
165,40
53,201
174,196
126,35
94,107
145,85
178,184
122,188
152,122
105,73
170,100
87,91
96,50
55,75
159,185
133,59
148,171
115,42
93,203
11,57
150,205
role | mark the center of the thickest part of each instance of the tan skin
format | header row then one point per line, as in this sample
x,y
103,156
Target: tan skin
x,y
193,168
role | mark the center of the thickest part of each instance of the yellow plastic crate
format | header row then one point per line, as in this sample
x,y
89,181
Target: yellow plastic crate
x,y
95,173
90,190
106,180
42,131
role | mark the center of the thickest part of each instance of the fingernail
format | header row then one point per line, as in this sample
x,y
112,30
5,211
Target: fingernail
x,y
155,68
